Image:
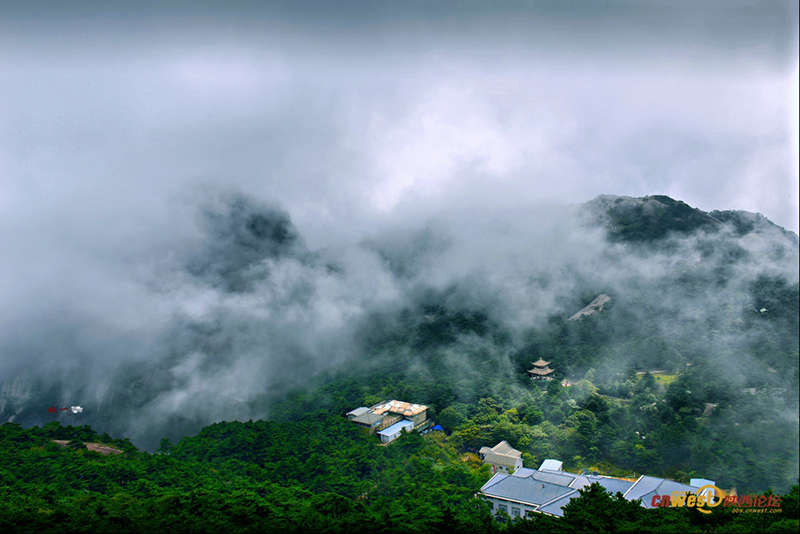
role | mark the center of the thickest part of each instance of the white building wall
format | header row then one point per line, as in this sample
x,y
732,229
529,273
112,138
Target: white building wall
x,y
389,439
510,507
504,468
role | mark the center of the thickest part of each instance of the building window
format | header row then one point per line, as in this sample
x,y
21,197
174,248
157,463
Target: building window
x,y
503,508
515,512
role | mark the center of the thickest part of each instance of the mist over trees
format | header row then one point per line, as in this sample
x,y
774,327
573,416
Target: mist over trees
x,y
243,316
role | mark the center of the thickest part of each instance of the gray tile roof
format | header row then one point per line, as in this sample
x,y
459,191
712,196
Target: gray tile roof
x,y
642,486
504,448
499,477
612,485
523,489
555,507
549,491
655,486
368,419
560,478
500,459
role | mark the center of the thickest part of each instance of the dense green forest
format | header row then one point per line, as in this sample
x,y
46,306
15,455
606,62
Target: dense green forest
x,y
319,474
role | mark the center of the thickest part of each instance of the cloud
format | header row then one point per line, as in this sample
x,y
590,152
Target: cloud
x,y
449,139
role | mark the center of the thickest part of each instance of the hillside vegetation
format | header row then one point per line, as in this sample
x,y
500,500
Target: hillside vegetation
x,y
319,475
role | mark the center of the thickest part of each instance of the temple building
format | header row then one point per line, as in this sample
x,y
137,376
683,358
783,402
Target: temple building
x,y
502,457
540,370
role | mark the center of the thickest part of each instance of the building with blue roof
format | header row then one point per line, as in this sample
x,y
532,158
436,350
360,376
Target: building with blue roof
x,y
647,487
548,489
393,432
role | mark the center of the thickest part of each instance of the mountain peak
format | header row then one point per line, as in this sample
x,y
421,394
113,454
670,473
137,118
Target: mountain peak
x,y
640,219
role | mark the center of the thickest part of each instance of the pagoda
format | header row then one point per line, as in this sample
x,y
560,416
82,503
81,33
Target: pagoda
x,y
540,370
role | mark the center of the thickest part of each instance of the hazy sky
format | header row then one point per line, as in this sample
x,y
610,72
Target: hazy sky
x,y
352,115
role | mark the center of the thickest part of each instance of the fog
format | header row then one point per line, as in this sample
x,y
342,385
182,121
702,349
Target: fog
x,y
201,209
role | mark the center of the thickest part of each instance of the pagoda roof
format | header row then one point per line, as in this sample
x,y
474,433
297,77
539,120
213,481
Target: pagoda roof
x,y
541,372
540,363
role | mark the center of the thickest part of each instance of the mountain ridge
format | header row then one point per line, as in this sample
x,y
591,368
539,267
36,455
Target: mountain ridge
x,y
639,219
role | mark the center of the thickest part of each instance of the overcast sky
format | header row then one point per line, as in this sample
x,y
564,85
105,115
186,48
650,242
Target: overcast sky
x,y
353,115
359,118
359,115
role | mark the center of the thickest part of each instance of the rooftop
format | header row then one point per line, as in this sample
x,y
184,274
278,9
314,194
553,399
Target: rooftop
x,y
500,459
524,489
395,428
358,411
646,487
551,465
399,407
368,418
505,448
549,489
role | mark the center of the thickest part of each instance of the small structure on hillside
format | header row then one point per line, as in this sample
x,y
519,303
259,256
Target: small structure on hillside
x,y
393,432
540,370
358,411
551,465
502,457
388,419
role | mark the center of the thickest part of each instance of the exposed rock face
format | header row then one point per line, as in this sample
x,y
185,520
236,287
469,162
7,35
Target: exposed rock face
x,y
593,307
13,396
105,450
15,388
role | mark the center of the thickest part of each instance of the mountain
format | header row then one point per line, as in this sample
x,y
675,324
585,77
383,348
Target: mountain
x,y
654,217
745,222
249,323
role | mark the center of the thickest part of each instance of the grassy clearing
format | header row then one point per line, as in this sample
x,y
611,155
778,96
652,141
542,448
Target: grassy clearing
x,y
665,379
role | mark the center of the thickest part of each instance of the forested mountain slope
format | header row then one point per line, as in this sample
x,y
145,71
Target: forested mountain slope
x,y
249,323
